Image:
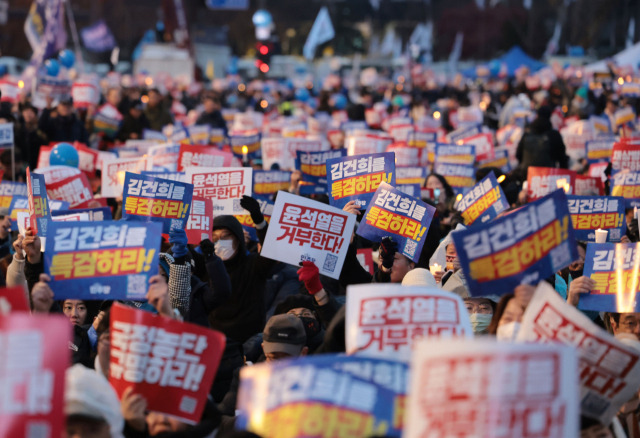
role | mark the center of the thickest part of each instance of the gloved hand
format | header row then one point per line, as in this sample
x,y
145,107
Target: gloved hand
x,y
388,249
253,207
310,276
178,237
208,248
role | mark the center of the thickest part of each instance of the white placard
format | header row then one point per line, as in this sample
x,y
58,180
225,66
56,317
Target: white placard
x,y
225,186
113,172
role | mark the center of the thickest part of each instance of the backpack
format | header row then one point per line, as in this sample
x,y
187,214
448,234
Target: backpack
x,y
536,151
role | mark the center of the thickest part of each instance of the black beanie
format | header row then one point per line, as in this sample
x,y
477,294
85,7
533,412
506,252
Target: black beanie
x,y
294,302
232,224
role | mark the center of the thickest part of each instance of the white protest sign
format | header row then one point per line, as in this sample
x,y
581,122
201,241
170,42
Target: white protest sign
x,y
360,145
306,230
385,320
224,186
483,388
609,371
113,172
283,150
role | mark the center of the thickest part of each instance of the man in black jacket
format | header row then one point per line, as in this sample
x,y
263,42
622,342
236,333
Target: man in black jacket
x,y
541,145
211,115
62,124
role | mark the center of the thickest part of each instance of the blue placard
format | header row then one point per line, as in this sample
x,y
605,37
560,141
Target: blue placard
x,y
411,175
606,263
412,190
524,247
149,199
268,182
483,202
10,189
626,183
455,153
599,149
393,213
313,390
97,214
55,205
148,134
356,178
252,142
41,211
313,166
464,132
588,213
102,260
17,203
500,160
173,176
457,175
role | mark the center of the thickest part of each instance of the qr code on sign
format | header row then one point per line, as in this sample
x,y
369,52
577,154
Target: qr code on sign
x,y
410,248
176,224
330,263
136,286
188,404
236,205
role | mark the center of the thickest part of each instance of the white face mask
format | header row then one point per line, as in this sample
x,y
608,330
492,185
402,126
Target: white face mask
x,y
480,322
508,331
224,249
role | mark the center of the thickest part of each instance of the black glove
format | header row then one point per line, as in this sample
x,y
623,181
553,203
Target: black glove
x,y
388,249
208,248
253,207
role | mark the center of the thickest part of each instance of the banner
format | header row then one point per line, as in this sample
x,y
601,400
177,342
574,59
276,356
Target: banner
x,y
386,320
164,157
391,212
485,201
39,213
200,223
599,149
98,37
523,247
268,182
75,190
113,172
589,213
605,383
170,363
332,396
615,268
457,175
10,189
149,199
33,363
357,178
625,157
627,184
224,187
483,388
204,156
321,32
45,29
306,230
102,260
544,180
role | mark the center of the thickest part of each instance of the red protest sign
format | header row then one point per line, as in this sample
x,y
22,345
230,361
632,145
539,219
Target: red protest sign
x,y
203,156
544,180
75,189
589,186
200,224
365,257
35,356
171,363
87,159
13,299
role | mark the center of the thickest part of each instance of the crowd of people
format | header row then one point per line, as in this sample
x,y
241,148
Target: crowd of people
x,y
270,311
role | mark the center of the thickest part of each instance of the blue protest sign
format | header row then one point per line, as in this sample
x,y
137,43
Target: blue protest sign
x,y
55,205
615,270
356,178
455,154
10,189
102,260
313,166
268,182
319,393
393,213
98,214
484,202
524,247
149,199
589,213
626,183
457,175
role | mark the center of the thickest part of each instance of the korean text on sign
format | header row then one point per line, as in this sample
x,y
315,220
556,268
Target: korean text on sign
x,y
457,175
102,260
625,157
386,320
332,396
302,229
10,189
75,190
485,388
608,370
627,184
588,213
543,180
268,182
146,198
38,205
35,356
484,201
225,187
200,222
391,212
172,364
615,268
525,246
357,178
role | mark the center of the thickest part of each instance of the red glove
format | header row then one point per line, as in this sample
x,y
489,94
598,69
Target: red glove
x,y
310,275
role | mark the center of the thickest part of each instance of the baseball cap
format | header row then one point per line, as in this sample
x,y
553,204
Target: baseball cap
x,y
284,334
89,394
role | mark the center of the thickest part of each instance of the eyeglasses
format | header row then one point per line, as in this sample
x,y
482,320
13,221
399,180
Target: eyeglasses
x,y
221,236
302,314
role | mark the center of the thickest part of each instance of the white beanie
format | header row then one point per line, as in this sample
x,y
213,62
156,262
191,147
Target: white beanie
x,y
419,277
89,394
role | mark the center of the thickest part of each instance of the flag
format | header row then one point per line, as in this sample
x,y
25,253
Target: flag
x,y
98,37
321,32
631,33
456,51
44,28
552,45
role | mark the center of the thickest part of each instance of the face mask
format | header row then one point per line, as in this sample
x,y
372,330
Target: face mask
x,y
480,322
224,249
311,327
508,332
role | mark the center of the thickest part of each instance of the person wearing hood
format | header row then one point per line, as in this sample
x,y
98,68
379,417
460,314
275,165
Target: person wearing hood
x,y
62,124
541,145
